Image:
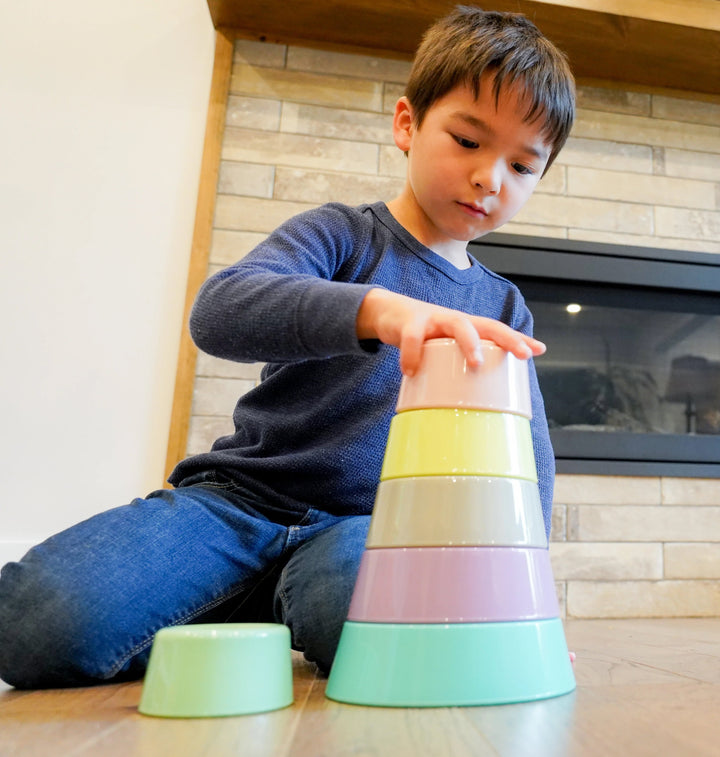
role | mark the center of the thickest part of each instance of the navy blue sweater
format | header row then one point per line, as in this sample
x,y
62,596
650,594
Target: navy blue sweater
x,y
313,432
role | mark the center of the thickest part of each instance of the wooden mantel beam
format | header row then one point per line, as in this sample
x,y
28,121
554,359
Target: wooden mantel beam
x,y
669,44
701,14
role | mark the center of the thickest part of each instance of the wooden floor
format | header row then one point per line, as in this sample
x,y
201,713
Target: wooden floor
x,y
645,687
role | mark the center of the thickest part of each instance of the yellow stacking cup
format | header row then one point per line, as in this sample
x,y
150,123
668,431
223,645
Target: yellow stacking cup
x,y
446,442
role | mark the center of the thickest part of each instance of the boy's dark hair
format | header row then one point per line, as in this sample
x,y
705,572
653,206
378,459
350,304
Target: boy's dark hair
x,y
468,42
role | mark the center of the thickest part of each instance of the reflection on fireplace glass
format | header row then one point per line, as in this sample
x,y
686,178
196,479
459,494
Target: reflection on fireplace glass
x,y
623,359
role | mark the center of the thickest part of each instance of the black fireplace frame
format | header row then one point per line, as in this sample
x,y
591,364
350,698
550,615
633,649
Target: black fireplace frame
x,y
671,272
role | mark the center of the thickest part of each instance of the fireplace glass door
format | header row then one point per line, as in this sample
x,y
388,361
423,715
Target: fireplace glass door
x,y
631,378
641,361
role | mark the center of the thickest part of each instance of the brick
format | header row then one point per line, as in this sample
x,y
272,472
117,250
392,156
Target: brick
x,y
338,123
204,431
630,523
690,491
686,109
561,591
318,89
252,214
640,188
658,154
614,100
613,156
533,230
646,131
573,522
643,240
558,527
227,247
677,222
259,53
554,181
643,599
249,179
391,94
587,213
213,367
218,396
589,561
319,187
692,165
392,162
606,490
348,64
299,151
253,113
692,560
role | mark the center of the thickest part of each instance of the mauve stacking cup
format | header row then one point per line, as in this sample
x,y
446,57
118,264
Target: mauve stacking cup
x,y
460,511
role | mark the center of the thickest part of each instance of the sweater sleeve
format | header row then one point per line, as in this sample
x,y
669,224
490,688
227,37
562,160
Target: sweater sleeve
x,y
286,300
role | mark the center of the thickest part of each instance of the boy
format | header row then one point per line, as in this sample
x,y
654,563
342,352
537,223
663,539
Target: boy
x,y
271,523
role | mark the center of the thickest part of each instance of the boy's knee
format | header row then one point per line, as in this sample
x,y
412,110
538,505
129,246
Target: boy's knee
x,y
46,636
315,588
23,625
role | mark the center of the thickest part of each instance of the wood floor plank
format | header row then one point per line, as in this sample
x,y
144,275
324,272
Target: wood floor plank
x,y
35,724
540,729
642,651
104,720
333,729
645,687
674,720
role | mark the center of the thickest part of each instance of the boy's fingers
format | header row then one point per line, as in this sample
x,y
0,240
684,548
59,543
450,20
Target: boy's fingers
x,y
520,345
537,347
410,352
468,340
466,330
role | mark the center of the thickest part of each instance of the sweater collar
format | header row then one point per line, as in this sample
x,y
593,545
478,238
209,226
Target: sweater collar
x,y
460,275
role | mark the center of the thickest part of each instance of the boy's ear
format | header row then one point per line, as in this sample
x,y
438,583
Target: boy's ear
x,y
403,124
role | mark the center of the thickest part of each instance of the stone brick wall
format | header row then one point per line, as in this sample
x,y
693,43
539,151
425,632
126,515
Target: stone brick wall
x,y
306,126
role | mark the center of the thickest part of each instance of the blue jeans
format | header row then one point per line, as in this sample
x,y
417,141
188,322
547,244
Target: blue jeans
x,y
83,606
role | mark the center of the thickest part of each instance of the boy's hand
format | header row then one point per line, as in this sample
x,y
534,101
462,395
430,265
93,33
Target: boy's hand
x,y
407,323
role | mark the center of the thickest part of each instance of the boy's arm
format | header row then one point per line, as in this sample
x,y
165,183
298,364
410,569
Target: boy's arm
x,y
406,323
289,299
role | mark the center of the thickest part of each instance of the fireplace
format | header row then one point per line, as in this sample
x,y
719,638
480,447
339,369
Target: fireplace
x,y
631,379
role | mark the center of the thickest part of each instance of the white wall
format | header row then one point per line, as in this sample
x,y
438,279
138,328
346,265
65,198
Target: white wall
x,y
102,115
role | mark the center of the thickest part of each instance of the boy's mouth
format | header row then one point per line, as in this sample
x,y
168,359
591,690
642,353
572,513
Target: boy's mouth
x,y
475,210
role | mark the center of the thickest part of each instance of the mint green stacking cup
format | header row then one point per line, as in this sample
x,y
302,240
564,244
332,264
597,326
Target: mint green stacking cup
x,y
450,664
216,670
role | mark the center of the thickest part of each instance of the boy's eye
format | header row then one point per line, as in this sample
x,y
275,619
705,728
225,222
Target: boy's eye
x,y
524,170
468,143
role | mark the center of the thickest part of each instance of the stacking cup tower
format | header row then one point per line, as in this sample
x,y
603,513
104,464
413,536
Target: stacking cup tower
x,y
455,601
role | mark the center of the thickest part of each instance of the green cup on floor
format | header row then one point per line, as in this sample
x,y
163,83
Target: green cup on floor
x,y
216,670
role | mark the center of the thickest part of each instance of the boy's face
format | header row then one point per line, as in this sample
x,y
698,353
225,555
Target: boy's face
x,y
471,165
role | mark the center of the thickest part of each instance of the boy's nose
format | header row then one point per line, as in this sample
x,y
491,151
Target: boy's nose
x,y
487,177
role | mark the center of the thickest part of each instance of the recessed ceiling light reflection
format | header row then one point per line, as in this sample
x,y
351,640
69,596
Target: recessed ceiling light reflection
x,y
573,308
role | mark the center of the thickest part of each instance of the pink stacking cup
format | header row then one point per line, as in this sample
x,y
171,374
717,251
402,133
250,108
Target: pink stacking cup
x,y
445,380
454,585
